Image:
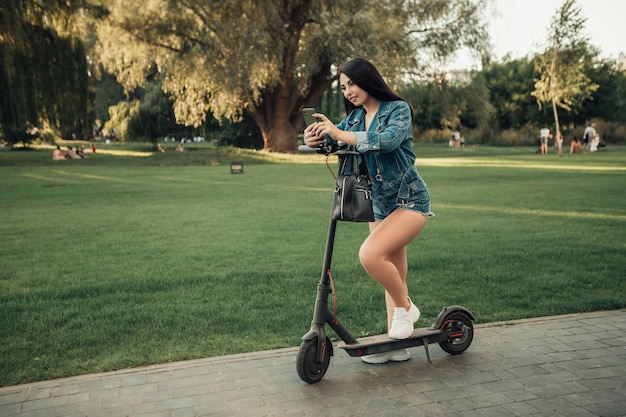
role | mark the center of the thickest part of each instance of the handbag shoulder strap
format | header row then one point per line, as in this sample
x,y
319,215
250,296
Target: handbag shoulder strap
x,y
363,167
330,169
349,164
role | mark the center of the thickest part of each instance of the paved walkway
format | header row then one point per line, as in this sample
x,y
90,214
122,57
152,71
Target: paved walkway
x,y
573,365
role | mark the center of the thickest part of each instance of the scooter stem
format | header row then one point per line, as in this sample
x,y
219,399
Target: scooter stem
x,y
322,314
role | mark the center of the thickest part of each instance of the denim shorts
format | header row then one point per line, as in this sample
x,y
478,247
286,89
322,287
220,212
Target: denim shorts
x,y
417,199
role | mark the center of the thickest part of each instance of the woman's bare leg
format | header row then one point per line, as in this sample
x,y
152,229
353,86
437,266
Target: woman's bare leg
x,y
400,260
383,254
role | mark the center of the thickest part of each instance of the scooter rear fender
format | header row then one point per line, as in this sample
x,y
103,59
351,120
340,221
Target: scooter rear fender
x,y
446,311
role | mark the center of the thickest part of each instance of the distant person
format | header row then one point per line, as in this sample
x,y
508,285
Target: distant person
x,y
180,147
575,146
590,133
456,136
93,148
71,154
58,154
544,137
558,143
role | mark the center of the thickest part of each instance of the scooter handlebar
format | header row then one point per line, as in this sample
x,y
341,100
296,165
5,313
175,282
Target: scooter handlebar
x,y
328,148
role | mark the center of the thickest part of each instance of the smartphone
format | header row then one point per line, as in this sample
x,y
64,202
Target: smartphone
x,y
308,113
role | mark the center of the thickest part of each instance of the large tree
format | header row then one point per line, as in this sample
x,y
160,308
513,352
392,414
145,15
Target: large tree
x,y
270,58
43,68
562,81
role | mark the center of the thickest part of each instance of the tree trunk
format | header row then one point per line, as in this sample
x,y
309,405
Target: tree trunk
x,y
279,118
281,136
557,126
553,87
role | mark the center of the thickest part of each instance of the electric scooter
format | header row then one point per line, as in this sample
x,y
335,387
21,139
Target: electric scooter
x,y
452,330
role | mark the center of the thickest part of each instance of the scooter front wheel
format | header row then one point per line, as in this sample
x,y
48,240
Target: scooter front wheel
x,y
461,332
309,369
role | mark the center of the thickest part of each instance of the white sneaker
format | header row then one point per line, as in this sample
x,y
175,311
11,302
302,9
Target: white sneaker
x,y
384,357
402,322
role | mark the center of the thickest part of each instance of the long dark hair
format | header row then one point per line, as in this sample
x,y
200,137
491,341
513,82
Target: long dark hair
x,y
364,74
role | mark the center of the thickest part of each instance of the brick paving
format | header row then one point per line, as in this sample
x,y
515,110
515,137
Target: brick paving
x,y
572,365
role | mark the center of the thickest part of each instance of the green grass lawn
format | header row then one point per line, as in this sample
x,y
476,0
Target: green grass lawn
x,y
124,260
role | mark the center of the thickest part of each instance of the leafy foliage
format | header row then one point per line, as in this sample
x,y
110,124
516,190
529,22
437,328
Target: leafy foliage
x,y
43,69
450,106
270,58
510,84
608,102
239,71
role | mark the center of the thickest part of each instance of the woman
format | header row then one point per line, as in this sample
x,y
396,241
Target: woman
x,y
544,135
379,126
58,154
558,143
575,146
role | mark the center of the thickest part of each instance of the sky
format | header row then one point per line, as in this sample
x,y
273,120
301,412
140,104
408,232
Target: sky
x,y
520,27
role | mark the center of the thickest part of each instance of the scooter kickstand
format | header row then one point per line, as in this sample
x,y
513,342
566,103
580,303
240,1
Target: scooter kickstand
x,y
426,349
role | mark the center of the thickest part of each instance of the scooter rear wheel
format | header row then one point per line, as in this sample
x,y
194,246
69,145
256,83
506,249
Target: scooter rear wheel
x,y
461,329
309,370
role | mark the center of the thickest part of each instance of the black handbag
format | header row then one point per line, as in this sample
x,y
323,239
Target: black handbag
x,y
353,191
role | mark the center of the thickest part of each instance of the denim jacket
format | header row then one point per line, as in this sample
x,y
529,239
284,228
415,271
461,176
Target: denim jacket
x,y
387,146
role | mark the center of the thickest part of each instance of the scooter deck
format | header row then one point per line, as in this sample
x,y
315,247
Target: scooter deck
x,y
382,343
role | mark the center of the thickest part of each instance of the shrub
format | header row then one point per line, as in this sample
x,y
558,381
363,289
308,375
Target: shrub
x,y
525,136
